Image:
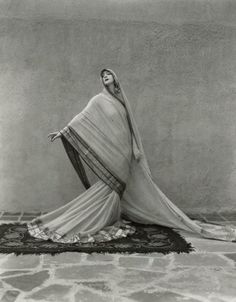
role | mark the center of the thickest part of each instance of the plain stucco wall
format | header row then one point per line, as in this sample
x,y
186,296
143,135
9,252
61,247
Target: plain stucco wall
x,y
179,77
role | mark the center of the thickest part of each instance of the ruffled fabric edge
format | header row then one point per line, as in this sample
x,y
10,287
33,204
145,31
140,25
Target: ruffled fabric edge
x,y
118,230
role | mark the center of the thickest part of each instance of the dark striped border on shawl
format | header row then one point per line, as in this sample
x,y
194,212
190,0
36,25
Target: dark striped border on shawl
x,y
92,160
76,162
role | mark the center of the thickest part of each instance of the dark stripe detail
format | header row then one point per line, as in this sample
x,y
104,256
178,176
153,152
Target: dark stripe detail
x,y
93,161
76,162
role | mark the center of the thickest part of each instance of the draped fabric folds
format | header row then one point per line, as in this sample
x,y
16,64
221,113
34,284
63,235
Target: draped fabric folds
x,y
105,137
99,137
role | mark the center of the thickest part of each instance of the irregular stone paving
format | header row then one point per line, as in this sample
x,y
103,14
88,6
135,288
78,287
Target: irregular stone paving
x,y
79,277
206,275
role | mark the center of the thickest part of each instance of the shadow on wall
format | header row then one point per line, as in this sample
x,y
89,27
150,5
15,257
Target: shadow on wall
x,y
179,78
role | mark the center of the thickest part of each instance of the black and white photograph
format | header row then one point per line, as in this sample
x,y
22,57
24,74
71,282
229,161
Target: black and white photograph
x,y
118,150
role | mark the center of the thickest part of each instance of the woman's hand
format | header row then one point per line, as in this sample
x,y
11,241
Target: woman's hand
x,y
136,151
54,135
137,155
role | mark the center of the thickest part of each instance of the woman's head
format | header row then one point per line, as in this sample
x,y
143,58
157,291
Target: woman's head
x,y
109,79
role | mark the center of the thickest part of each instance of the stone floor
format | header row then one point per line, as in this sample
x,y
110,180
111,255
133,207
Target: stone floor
x,y
208,274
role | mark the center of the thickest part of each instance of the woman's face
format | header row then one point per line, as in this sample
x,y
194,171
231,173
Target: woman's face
x,y
107,78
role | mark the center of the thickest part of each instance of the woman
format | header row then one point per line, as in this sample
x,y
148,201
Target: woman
x,y
105,137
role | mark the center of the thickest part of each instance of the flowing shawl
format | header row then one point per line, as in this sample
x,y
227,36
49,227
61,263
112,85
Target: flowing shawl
x,y
100,136
106,137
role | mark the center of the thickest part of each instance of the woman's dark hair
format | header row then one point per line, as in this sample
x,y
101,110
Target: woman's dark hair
x,y
116,84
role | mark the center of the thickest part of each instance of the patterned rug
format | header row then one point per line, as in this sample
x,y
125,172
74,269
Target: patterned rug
x,y
14,238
